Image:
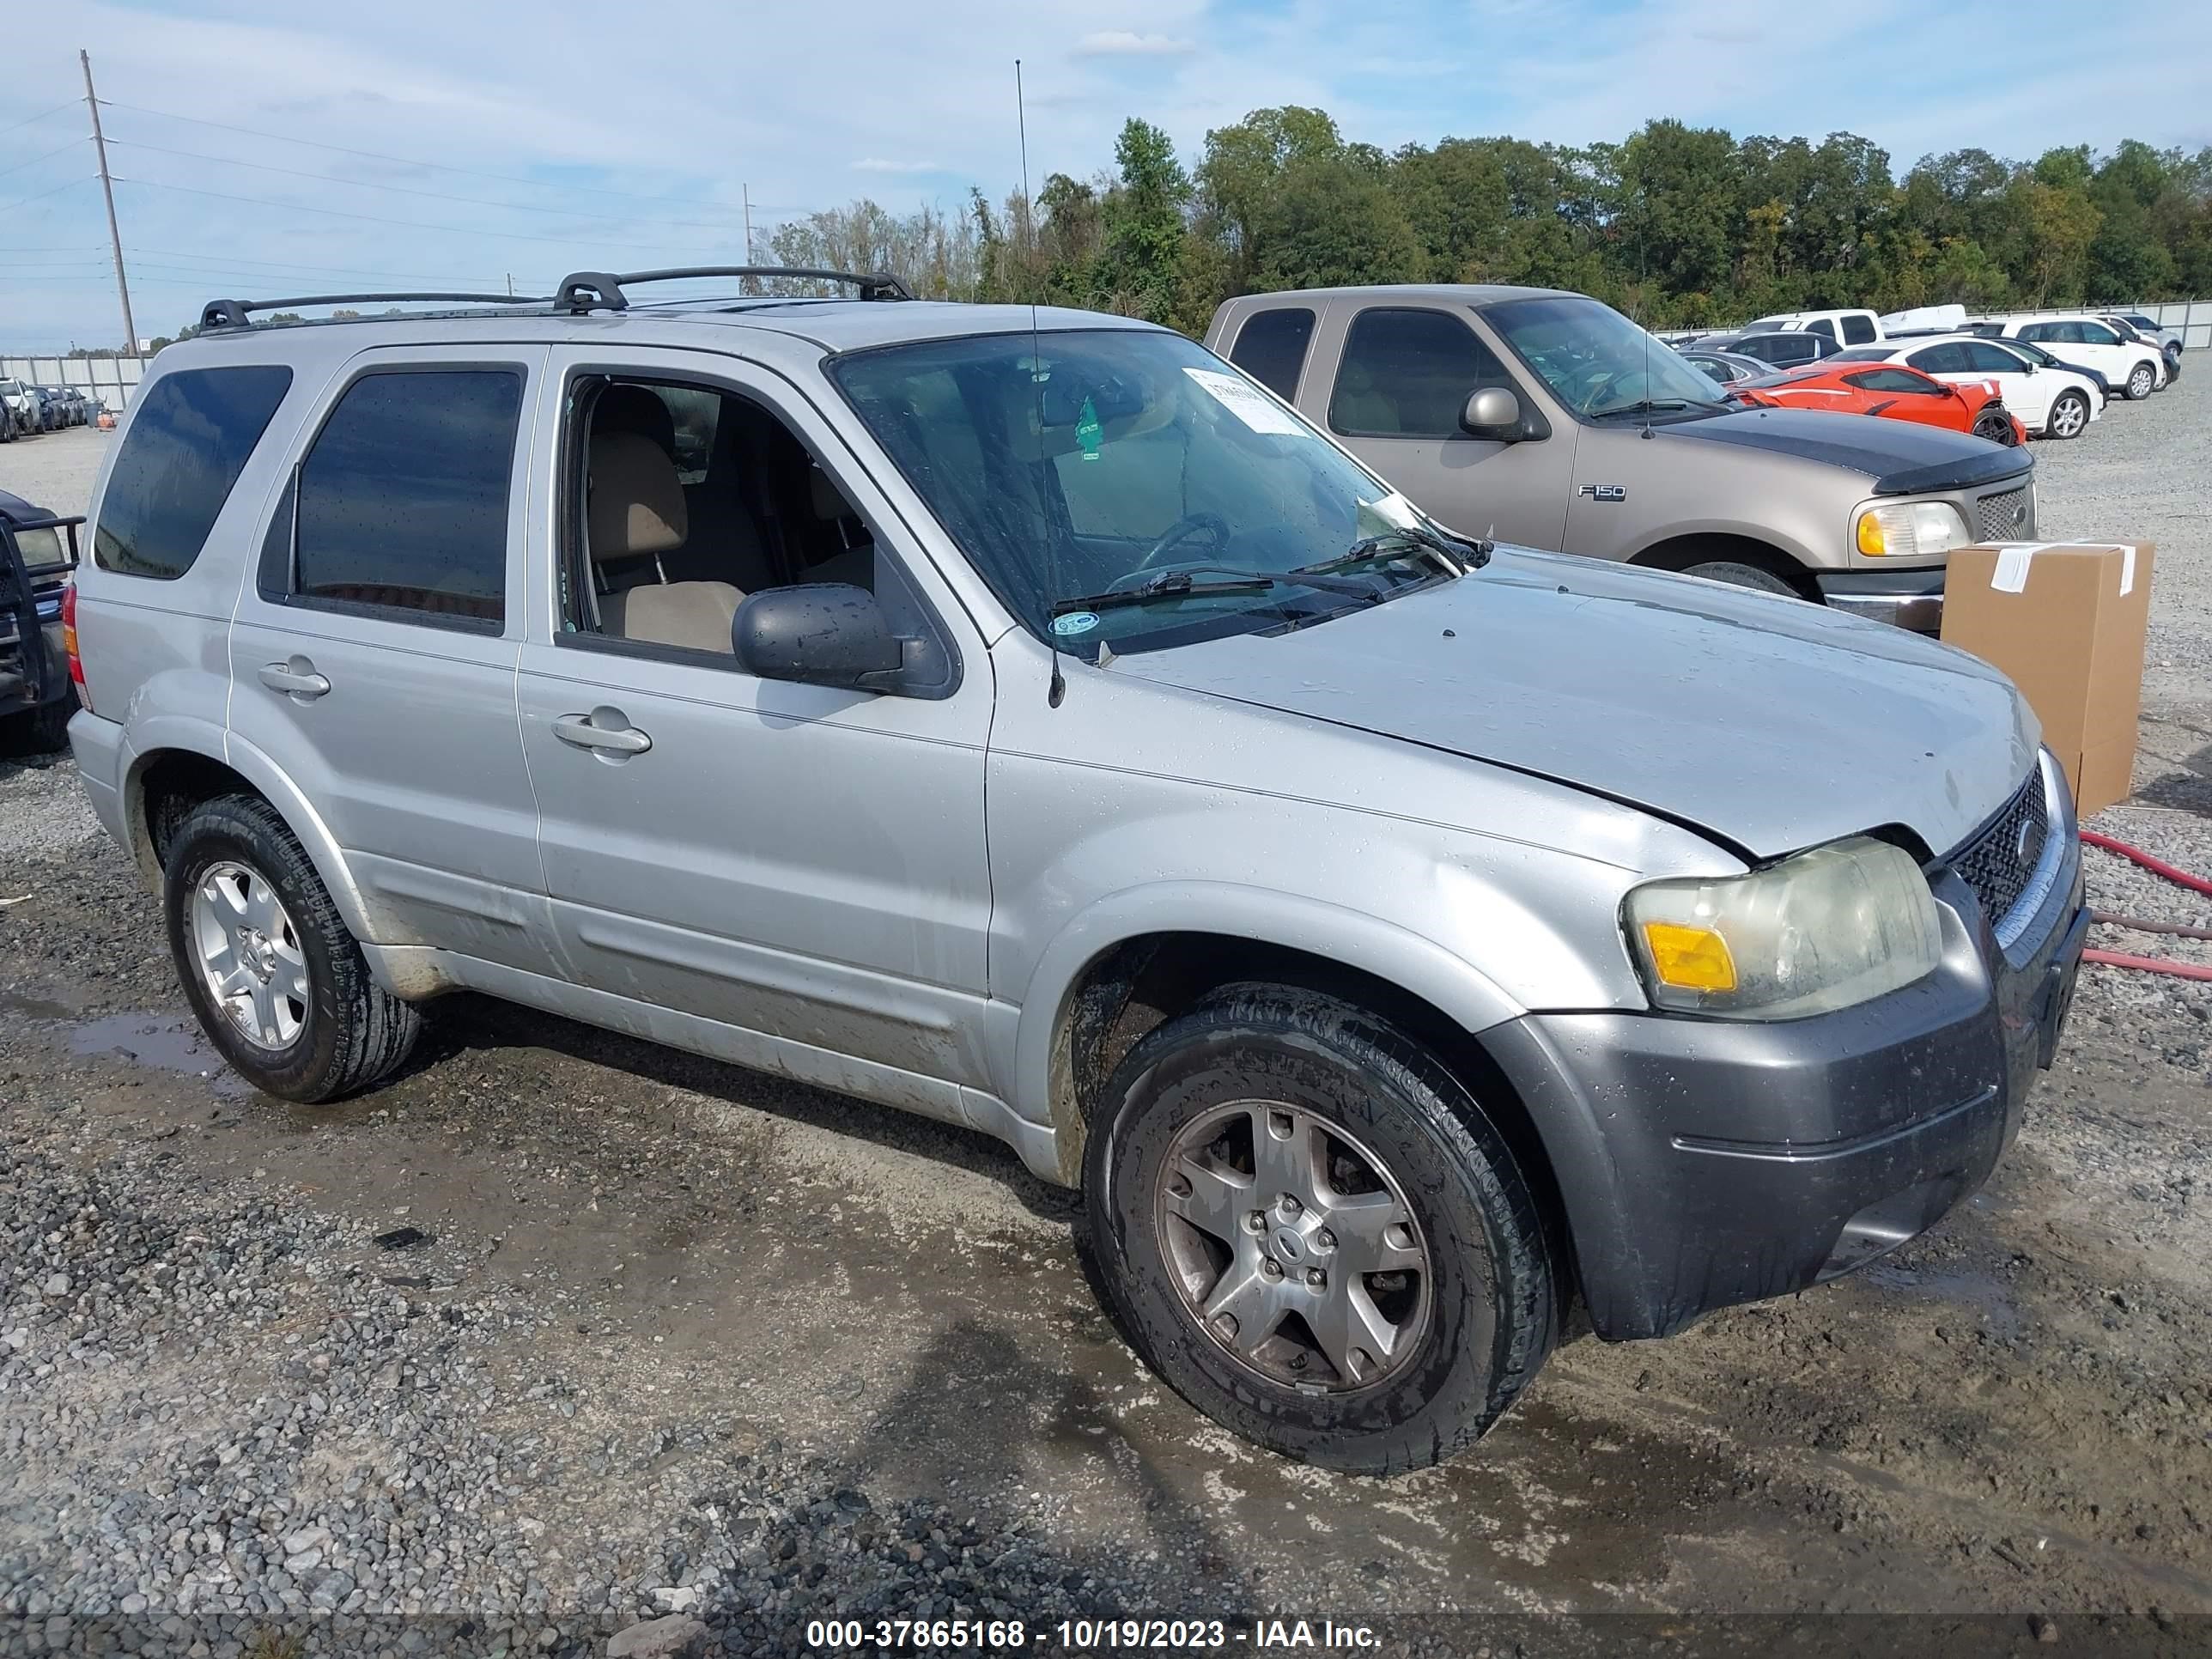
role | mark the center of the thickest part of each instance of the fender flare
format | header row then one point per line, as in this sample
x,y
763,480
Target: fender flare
x,y
168,734
1415,963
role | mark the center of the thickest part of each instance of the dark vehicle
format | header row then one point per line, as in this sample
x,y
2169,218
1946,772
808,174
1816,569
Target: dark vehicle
x,y
1724,368
37,694
1777,350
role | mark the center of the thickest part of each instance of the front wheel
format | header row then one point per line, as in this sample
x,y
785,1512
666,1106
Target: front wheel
x,y
2141,378
1996,427
1311,1230
279,985
2069,416
1736,574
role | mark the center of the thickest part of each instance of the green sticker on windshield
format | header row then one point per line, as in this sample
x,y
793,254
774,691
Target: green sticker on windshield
x,y
1087,431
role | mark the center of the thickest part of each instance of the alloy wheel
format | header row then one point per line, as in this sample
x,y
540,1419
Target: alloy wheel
x,y
249,955
1293,1247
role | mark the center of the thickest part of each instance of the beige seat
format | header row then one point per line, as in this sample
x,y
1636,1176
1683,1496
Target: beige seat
x,y
636,509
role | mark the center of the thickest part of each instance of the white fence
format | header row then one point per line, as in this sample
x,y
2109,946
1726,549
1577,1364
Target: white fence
x,y
112,380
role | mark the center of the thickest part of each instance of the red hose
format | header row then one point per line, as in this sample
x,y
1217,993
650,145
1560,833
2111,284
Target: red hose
x,y
2180,879
2156,865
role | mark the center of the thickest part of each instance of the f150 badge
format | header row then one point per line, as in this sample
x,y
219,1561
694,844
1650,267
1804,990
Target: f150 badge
x,y
1606,492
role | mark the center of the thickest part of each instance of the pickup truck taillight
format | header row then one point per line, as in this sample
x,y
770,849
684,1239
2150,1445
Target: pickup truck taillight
x,y
68,644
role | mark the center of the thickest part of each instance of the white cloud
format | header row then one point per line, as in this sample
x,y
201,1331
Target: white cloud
x,y
880,164
1127,43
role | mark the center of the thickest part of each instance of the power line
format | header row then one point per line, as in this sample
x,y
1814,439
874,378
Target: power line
x,y
42,115
405,161
25,200
404,224
408,190
174,257
35,159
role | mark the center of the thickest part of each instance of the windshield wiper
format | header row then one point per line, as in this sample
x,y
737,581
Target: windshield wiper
x,y
1367,549
1655,406
1179,583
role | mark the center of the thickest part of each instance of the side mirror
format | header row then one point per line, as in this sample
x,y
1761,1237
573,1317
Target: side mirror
x,y
1494,412
832,635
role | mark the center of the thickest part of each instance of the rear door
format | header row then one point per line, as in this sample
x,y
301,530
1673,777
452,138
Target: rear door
x,y
374,648
1392,381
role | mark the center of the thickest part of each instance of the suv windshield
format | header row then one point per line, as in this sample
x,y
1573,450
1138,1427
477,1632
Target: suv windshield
x,y
1096,462
1598,363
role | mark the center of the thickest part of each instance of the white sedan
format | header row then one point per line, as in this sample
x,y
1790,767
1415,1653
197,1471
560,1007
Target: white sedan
x,y
2051,402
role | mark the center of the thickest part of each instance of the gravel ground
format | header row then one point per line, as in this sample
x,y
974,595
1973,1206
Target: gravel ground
x,y
681,1341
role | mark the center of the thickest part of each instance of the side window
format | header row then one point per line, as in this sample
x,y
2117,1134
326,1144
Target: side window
x,y
1857,331
2038,332
1984,359
1821,326
189,440
1949,358
1894,380
402,499
1407,372
2095,334
1271,348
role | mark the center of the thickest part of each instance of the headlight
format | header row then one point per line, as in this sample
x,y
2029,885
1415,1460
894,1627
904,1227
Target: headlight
x,y
1907,530
1820,931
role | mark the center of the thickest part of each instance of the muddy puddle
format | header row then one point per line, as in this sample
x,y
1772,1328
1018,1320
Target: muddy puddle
x,y
159,1042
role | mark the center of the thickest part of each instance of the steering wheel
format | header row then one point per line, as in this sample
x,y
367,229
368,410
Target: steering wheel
x,y
1174,536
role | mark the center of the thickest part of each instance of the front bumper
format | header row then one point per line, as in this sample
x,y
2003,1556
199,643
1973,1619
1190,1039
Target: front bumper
x,y
1910,599
1702,1162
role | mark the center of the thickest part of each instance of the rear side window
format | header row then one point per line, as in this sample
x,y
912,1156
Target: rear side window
x,y
1408,373
189,440
1271,348
402,499
1857,331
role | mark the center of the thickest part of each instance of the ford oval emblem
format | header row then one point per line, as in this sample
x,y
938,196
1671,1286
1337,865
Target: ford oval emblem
x,y
2022,840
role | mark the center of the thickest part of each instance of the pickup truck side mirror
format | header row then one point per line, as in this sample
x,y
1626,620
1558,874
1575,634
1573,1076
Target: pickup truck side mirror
x,y
1494,413
832,635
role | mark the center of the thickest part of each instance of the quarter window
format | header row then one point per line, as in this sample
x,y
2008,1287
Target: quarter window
x,y
190,438
402,501
1407,372
1271,348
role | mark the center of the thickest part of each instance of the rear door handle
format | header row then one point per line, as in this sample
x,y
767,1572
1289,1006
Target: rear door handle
x,y
296,677
598,731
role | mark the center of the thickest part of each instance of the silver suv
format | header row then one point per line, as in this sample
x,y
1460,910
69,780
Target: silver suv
x,y
1030,722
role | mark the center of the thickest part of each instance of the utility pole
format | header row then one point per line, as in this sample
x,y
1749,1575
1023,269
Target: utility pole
x,y
510,285
108,189
748,285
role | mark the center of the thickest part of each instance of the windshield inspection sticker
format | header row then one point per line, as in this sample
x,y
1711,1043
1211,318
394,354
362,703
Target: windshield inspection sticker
x,y
1247,404
1075,622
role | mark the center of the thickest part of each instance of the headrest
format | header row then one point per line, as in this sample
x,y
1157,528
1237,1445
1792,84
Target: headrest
x,y
636,499
830,502
635,409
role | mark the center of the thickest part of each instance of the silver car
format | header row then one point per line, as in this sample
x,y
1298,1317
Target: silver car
x,y
1029,722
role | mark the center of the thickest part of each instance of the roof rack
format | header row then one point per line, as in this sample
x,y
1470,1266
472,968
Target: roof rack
x,y
601,290
236,314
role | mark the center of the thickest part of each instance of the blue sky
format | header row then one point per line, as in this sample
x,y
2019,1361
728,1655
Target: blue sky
x,y
624,134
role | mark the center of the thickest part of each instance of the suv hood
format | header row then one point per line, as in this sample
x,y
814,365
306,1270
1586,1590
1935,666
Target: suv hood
x,y
1902,457
1768,723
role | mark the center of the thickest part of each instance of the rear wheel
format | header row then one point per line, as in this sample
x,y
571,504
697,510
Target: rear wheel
x,y
2141,379
1313,1232
2069,416
279,985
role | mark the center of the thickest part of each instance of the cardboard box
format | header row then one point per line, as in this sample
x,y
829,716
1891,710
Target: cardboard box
x,y
2065,622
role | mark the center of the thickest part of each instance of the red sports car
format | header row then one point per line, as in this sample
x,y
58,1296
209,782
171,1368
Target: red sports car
x,y
1890,390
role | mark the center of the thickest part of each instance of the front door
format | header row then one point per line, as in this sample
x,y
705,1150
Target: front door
x,y
374,647
804,864
1403,373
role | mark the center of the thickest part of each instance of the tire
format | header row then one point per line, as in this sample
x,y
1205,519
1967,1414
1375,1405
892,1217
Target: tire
x,y
1994,427
1736,574
2142,380
1472,1323
346,1032
2069,416
45,729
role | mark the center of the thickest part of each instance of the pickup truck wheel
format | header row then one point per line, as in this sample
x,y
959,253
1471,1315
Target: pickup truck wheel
x,y
279,985
1736,574
2141,379
1313,1232
2069,416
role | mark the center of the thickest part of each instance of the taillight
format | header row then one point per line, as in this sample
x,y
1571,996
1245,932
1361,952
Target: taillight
x,y
69,643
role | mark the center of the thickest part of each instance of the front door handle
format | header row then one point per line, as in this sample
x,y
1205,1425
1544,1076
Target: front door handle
x,y
600,731
295,678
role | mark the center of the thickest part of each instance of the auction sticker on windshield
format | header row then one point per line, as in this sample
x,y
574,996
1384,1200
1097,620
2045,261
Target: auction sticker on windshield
x,y
1075,622
1247,403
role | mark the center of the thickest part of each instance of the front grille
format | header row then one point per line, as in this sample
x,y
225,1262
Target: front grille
x,y
2005,516
1999,862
